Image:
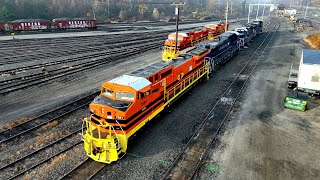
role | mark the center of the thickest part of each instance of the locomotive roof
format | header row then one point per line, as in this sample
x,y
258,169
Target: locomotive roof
x,y
136,83
151,69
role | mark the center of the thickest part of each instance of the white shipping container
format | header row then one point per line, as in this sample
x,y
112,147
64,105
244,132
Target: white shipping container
x,y
309,71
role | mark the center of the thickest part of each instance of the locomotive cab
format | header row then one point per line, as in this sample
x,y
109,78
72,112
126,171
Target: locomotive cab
x,y
111,120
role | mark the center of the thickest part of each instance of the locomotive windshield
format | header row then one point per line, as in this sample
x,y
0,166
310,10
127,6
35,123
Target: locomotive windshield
x,y
117,95
107,92
124,96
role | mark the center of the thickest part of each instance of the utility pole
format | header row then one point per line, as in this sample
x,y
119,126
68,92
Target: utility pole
x,y
231,9
226,25
177,23
249,14
270,8
258,11
264,6
305,13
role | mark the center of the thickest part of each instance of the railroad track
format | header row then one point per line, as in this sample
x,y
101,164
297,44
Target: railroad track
x,y
91,51
188,161
86,170
60,50
18,130
10,86
42,159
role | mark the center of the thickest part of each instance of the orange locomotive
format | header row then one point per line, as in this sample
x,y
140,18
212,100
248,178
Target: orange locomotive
x,y
188,39
128,102
215,30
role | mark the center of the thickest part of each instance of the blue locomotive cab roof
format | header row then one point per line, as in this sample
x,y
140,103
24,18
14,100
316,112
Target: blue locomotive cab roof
x,y
311,56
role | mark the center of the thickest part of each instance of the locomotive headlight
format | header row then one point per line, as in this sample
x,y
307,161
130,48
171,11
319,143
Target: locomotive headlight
x,y
88,140
92,110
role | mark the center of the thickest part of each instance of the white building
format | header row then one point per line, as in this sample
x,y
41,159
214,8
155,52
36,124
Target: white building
x,y
290,11
309,71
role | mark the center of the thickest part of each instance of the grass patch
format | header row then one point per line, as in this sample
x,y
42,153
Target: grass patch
x,y
10,124
50,125
48,137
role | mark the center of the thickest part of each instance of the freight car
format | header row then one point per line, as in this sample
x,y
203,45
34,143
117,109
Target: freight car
x,y
46,25
29,25
128,102
2,27
74,23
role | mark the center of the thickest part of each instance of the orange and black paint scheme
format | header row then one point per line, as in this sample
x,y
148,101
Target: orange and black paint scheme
x,y
190,38
128,102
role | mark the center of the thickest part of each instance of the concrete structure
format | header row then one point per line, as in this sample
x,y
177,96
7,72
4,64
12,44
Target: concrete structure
x,y
290,11
309,71
281,10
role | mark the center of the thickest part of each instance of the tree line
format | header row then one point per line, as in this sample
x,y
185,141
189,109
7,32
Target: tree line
x,y
106,10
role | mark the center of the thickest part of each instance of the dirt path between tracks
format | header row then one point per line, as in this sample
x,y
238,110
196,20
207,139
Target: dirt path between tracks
x,y
262,140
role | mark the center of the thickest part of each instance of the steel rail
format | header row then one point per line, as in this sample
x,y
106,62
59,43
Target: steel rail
x,y
68,49
44,161
51,144
43,119
87,169
126,43
83,66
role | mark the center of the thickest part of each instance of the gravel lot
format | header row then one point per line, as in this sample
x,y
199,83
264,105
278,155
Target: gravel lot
x,y
262,139
260,132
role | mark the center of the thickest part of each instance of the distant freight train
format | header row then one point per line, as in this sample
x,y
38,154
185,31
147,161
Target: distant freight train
x,y
128,102
46,25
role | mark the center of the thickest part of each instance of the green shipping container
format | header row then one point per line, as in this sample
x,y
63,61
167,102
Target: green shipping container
x,y
296,100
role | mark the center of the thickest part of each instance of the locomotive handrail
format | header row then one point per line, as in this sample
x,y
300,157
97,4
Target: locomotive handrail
x,y
192,78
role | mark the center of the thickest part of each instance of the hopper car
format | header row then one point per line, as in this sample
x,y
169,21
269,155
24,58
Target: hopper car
x,y
128,102
190,38
3,27
47,25
29,25
75,23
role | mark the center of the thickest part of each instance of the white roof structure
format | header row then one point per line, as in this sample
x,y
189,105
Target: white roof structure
x,y
136,83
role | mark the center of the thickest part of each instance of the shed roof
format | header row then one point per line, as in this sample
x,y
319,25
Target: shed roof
x,y
311,56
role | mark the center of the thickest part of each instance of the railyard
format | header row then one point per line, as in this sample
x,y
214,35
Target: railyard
x,y
274,143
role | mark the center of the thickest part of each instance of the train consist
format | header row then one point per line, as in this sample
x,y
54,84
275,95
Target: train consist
x,y
128,102
190,38
46,25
